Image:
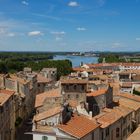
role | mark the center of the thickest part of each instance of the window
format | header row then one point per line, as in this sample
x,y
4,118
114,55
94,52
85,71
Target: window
x,y
67,87
124,132
77,96
117,132
83,87
1,109
75,87
102,135
68,96
124,121
92,136
128,128
44,138
107,131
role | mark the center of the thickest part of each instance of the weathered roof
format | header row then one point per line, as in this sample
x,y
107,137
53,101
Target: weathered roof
x,y
108,118
126,84
42,79
130,96
129,103
135,135
78,126
47,114
73,81
97,92
20,80
5,95
55,93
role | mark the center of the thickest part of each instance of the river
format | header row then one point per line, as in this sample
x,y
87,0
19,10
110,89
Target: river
x,y
76,60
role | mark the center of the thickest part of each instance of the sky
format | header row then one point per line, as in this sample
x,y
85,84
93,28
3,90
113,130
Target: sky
x,y
70,25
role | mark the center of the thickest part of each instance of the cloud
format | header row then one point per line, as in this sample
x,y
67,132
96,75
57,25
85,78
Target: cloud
x,y
58,38
11,34
81,29
58,33
138,38
35,33
46,16
2,30
25,3
116,45
73,4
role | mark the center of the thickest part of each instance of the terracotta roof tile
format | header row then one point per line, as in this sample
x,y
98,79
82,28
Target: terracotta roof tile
x,y
130,96
14,77
5,95
47,114
129,103
108,118
79,126
73,81
42,79
112,64
135,135
73,103
55,93
97,92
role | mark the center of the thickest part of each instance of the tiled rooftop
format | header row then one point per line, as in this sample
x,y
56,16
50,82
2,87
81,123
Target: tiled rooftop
x,y
55,93
14,77
97,93
42,79
47,114
5,95
78,126
130,96
73,81
129,103
113,64
126,85
108,118
135,135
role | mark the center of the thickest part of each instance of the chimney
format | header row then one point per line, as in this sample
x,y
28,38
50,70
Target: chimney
x,y
90,114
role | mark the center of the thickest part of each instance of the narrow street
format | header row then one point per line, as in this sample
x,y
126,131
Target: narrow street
x,y
21,132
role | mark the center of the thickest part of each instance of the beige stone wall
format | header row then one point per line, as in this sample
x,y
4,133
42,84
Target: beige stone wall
x,y
137,117
7,119
126,126
10,84
74,87
80,97
1,82
109,96
112,131
50,103
88,137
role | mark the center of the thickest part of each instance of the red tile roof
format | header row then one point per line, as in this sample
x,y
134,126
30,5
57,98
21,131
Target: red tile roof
x,y
55,93
73,81
5,95
129,103
127,85
42,79
97,92
130,96
78,126
47,114
108,118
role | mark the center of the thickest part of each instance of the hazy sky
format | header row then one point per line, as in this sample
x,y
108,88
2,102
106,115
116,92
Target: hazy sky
x,y
65,25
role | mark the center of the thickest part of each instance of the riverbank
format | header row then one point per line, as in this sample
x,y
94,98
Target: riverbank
x,y
76,60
